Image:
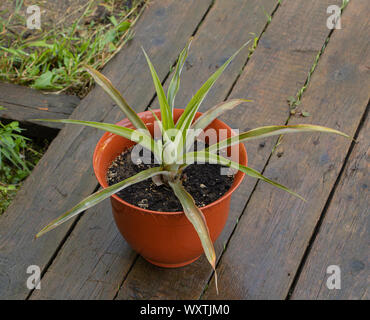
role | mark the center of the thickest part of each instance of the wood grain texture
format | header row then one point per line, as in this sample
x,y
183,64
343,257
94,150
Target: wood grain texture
x,y
273,233
64,175
23,104
93,260
343,239
276,70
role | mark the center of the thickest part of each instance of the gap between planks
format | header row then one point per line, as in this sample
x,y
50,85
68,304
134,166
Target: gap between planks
x,y
343,237
327,205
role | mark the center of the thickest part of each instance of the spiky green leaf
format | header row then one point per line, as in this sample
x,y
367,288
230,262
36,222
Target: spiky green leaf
x,y
211,114
196,217
166,113
134,135
173,88
268,131
108,87
99,196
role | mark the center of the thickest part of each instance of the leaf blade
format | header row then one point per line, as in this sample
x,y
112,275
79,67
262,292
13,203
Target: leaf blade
x,y
131,134
175,81
211,114
108,87
196,218
166,114
99,196
267,131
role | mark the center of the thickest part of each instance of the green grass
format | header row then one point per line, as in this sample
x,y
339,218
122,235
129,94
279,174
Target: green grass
x,y
18,155
344,4
254,45
294,102
52,59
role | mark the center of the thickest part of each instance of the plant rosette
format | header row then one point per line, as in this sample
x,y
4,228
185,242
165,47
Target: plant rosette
x,y
173,239
166,239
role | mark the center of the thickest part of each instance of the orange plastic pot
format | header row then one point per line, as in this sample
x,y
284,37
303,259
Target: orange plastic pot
x,y
166,239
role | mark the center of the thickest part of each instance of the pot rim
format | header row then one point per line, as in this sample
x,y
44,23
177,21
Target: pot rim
x,y
238,177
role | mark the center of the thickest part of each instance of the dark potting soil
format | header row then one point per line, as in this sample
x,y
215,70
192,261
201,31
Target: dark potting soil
x,y
203,181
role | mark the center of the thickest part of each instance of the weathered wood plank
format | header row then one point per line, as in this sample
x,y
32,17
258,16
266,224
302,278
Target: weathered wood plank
x,y
64,175
92,262
22,104
343,238
272,235
86,282
276,70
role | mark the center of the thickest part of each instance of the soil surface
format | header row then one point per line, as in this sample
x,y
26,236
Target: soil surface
x,y
203,181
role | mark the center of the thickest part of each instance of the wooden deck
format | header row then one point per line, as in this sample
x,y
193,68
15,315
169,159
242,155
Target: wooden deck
x,y
274,246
